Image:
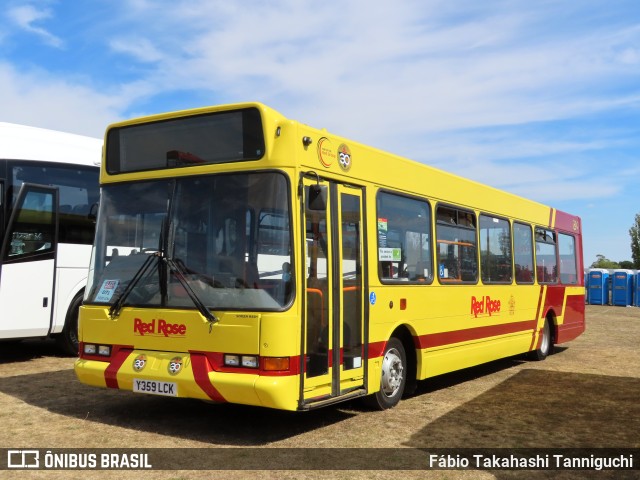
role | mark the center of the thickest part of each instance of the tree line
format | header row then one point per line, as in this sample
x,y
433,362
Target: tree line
x,y
634,233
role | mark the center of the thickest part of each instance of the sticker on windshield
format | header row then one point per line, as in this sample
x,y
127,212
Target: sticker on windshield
x,y
107,290
389,254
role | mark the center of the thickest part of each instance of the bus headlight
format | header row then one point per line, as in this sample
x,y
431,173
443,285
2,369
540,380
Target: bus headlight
x,y
93,349
231,360
250,361
104,350
247,361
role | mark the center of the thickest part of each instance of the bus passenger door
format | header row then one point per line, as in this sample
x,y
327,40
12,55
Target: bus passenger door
x,y
333,343
28,264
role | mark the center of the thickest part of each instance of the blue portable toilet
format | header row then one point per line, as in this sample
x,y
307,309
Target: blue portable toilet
x,y
622,288
598,286
637,290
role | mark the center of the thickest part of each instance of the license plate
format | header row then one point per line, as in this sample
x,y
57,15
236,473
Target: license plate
x,y
154,387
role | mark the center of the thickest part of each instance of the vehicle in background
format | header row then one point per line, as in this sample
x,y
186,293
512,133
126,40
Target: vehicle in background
x,y
49,194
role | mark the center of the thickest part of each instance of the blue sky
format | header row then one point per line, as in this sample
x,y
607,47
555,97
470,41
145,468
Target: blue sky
x,y
538,98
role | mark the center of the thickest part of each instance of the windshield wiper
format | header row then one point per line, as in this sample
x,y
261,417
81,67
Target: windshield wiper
x,y
179,273
115,309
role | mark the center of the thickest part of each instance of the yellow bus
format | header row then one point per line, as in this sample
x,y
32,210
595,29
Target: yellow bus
x,y
244,257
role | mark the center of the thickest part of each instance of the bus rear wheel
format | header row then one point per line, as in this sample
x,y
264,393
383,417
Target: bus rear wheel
x,y
67,340
546,343
393,378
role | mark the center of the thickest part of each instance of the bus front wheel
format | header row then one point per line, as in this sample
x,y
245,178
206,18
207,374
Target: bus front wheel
x,y
393,377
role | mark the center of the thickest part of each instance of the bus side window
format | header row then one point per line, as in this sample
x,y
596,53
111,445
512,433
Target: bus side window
x,y
523,253
77,191
546,260
456,245
495,250
567,252
33,228
404,239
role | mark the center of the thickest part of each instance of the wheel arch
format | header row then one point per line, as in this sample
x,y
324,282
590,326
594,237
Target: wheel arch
x,y
64,301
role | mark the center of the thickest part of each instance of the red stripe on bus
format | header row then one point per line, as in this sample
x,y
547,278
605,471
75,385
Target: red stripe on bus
x,y
477,333
201,368
442,339
376,349
111,372
216,362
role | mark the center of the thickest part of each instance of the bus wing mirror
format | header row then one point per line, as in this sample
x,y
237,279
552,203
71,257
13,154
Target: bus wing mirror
x,y
317,197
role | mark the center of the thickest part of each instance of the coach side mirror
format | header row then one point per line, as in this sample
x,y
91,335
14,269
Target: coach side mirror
x,y
317,197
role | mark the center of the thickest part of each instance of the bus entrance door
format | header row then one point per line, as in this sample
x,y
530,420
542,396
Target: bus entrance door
x,y
28,263
334,357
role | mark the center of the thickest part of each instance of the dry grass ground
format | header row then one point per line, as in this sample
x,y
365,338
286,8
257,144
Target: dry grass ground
x,y
585,395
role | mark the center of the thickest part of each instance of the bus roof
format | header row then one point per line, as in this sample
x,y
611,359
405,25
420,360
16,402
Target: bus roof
x,y
20,142
382,168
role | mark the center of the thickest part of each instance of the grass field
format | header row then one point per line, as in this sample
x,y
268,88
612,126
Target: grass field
x,y
585,395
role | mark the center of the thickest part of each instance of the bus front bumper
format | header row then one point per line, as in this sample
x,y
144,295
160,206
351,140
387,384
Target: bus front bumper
x,y
187,376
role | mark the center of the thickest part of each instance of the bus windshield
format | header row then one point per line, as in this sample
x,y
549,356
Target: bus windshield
x,y
228,235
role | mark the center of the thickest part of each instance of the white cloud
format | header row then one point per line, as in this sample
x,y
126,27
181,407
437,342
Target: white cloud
x,y
552,192
539,98
40,100
25,16
469,65
428,80
139,48
352,66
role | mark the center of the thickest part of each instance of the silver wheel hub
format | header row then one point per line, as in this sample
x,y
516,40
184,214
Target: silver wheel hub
x,y
546,339
392,372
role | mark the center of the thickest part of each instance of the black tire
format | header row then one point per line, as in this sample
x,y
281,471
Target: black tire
x,y
546,343
393,378
68,339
